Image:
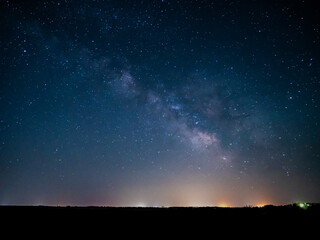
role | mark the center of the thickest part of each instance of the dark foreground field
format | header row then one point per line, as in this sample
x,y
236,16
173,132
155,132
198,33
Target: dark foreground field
x,y
197,223
289,218
301,212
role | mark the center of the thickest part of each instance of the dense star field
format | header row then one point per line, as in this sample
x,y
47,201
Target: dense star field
x,y
159,102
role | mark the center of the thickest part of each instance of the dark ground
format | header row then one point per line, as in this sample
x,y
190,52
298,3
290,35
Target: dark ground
x,y
277,212
246,221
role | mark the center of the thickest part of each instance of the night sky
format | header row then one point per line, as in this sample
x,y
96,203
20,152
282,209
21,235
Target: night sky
x,y
159,102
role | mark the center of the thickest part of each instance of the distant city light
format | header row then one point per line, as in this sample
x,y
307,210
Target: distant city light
x,y
142,205
261,205
223,205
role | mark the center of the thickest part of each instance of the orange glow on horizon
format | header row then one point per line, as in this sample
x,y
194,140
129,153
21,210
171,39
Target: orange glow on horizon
x,y
223,205
261,205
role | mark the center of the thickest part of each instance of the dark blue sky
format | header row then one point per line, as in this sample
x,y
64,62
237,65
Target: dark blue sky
x,y
128,103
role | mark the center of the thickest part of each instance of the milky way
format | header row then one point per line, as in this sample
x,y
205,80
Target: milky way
x,y
159,103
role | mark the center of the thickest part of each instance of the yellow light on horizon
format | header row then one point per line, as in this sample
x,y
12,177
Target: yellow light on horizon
x,y
223,205
261,205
